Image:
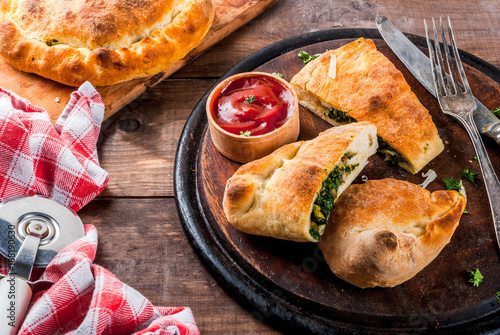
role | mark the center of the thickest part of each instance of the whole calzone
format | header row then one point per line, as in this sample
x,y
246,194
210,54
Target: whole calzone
x,y
358,83
101,41
383,232
290,193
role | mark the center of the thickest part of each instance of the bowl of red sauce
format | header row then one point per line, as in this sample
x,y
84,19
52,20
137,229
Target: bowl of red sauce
x,y
252,114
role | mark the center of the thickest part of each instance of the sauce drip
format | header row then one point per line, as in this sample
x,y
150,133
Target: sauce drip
x,y
254,105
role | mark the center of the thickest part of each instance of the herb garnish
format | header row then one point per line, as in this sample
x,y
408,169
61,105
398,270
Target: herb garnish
x,y
51,42
475,158
498,297
475,277
245,133
277,74
496,111
306,58
452,184
470,175
465,211
250,99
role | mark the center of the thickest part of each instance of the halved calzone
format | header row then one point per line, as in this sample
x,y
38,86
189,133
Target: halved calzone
x,y
358,83
101,41
290,193
383,232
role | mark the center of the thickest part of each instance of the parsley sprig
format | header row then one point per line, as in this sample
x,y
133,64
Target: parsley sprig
x,y
475,277
306,57
250,99
452,184
470,175
245,133
278,74
496,111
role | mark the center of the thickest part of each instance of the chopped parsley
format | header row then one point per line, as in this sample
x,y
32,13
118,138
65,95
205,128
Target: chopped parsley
x,y
474,158
496,111
498,297
475,277
277,74
465,211
245,133
306,58
452,184
470,175
250,99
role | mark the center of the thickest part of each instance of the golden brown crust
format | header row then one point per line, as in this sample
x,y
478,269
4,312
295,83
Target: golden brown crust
x,y
273,196
102,41
384,232
368,87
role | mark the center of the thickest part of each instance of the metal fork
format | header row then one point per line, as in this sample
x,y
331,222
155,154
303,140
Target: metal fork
x,y
456,99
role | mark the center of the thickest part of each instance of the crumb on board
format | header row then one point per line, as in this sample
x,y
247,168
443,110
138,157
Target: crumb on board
x,y
58,99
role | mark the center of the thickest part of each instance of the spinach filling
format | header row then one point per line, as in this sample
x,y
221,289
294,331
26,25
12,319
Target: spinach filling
x,y
339,116
51,42
325,200
392,154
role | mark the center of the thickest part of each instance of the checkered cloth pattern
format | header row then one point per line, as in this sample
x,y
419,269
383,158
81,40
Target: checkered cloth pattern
x,y
61,162
58,162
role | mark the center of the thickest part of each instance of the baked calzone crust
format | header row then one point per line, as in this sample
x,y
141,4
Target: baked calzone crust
x,y
358,83
102,41
290,193
383,232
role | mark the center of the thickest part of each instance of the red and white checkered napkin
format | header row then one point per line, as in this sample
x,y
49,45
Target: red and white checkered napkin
x,y
61,162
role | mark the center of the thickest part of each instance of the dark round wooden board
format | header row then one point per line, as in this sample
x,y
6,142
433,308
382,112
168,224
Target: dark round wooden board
x,y
288,284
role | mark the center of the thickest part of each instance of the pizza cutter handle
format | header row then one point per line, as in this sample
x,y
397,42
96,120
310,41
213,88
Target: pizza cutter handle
x,y
15,292
15,296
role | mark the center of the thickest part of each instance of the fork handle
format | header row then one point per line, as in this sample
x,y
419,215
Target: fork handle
x,y
489,177
488,124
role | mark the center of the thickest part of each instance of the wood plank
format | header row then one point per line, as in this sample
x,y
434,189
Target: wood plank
x,y
230,15
142,243
137,146
477,30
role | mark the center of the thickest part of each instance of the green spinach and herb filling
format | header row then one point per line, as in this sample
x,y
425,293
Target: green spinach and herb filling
x,y
51,42
339,116
392,154
325,200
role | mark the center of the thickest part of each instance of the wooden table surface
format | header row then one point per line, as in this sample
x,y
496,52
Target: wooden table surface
x,y
141,239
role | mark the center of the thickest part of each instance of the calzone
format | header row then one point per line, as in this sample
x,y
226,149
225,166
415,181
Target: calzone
x,y
383,232
289,194
358,83
101,41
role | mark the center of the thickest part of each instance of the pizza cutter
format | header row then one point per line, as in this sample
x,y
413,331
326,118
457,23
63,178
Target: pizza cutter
x,y
33,230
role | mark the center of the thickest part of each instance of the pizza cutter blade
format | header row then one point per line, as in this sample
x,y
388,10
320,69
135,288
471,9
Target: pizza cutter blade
x,y
32,232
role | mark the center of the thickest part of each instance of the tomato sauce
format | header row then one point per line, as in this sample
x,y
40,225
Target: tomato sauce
x,y
252,105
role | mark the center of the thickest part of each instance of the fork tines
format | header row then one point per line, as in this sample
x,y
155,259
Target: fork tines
x,y
446,84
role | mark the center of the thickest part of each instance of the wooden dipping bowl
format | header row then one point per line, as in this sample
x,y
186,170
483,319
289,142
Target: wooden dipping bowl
x,y
244,149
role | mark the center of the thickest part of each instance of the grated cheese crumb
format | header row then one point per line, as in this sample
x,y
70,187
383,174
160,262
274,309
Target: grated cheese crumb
x,y
430,175
462,190
58,99
332,71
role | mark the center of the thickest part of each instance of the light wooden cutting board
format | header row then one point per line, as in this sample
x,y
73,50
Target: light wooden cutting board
x,y
229,16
